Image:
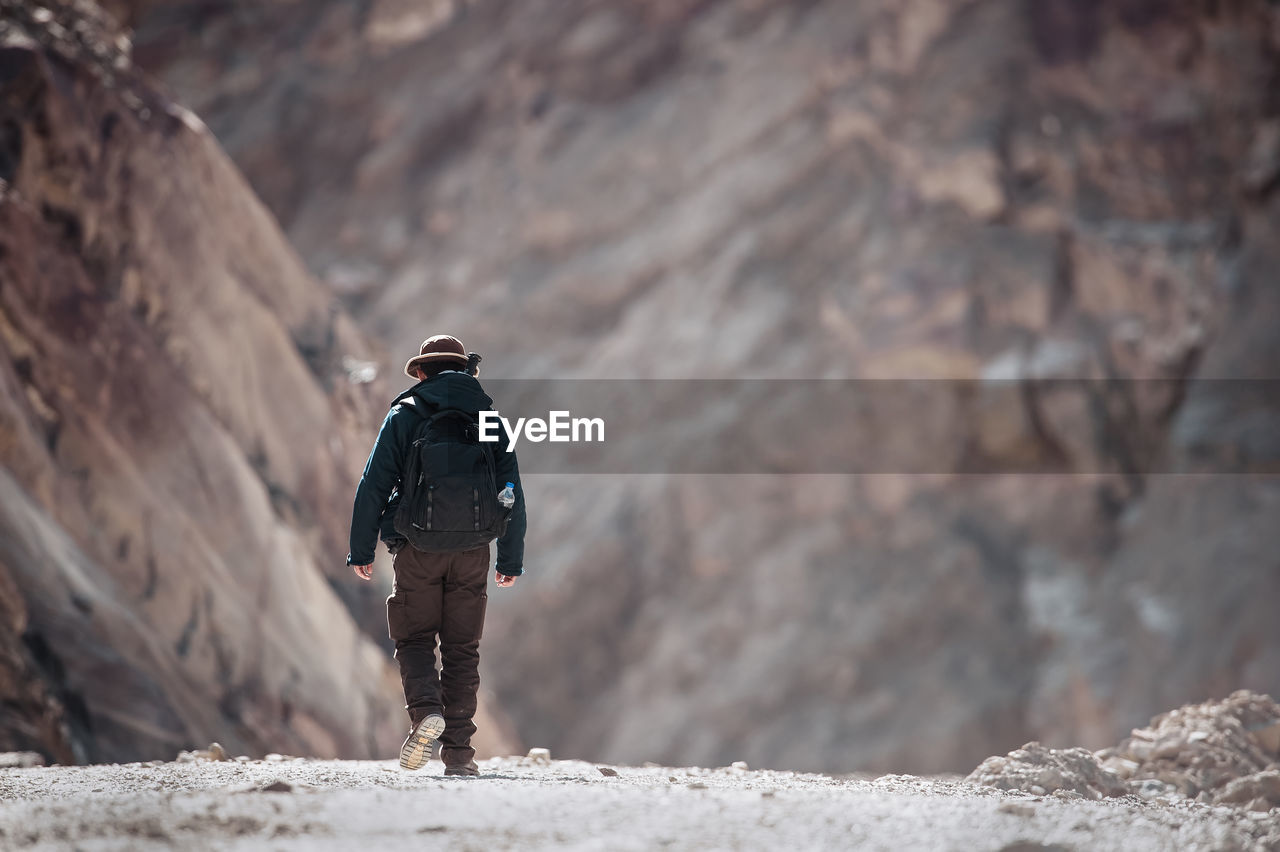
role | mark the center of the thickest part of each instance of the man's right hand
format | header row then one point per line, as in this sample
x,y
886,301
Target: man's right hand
x,y
503,581
364,572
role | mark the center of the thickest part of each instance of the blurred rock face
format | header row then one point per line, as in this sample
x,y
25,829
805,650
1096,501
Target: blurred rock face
x,y
161,522
1017,190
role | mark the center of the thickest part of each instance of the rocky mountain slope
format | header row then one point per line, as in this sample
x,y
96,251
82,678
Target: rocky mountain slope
x,y
979,189
178,434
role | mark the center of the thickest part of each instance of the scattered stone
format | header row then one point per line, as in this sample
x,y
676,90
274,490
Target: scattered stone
x,y
1222,753
740,765
20,759
1255,789
276,786
1153,788
1203,747
274,758
1037,769
696,785
608,771
1120,766
540,755
214,752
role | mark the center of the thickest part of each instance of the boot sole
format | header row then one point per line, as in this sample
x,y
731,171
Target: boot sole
x,y
416,750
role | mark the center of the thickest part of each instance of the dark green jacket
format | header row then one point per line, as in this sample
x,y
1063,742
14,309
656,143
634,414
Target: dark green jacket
x,y
376,496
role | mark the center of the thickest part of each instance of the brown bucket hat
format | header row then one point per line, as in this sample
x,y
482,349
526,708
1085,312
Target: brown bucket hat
x,y
439,347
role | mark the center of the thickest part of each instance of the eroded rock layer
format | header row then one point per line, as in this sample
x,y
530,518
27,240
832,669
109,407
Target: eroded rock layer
x,y
177,438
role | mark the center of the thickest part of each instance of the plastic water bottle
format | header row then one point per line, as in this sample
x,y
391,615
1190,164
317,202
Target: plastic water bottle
x,y
507,497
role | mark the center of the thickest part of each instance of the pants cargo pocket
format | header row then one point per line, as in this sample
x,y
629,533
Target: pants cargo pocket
x,y
397,619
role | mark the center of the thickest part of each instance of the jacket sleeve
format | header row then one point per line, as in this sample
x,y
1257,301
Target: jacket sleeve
x,y
511,545
381,474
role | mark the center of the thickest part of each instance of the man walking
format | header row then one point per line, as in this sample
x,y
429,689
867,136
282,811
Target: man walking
x,y
436,496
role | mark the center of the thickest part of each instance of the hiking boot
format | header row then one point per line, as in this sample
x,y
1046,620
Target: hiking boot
x,y
416,750
466,770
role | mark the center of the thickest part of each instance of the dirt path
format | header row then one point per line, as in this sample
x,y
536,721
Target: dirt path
x,y
520,804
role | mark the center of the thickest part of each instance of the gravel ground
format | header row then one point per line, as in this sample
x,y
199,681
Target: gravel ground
x,y
519,803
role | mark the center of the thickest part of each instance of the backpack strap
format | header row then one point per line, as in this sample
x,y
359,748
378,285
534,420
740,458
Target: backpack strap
x,y
412,402
469,425
409,400
429,417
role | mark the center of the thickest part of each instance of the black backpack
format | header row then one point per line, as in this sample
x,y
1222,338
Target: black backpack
x,y
448,491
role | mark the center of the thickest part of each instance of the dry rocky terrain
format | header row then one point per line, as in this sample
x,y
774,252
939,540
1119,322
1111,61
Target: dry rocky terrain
x,y
1206,780
986,190
993,190
1220,752
516,804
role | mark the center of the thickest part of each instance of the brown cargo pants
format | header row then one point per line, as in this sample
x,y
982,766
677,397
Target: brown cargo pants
x,y
444,595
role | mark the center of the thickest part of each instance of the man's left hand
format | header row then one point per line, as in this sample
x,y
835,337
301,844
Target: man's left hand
x,y
364,572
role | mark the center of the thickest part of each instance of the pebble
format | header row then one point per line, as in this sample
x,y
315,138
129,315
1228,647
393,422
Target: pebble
x,y
276,786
